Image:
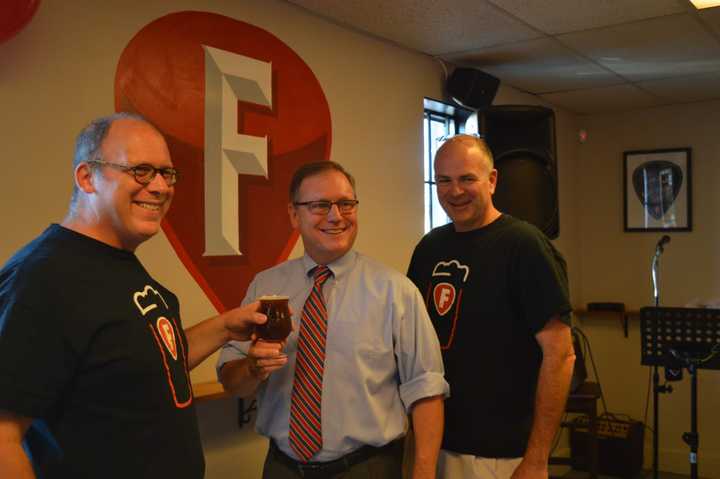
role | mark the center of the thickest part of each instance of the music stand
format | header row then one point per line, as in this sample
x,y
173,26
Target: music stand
x,y
682,338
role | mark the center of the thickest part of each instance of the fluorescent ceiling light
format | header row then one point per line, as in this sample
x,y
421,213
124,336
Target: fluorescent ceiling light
x,y
705,3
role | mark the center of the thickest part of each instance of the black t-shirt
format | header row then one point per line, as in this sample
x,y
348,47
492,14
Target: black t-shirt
x,y
488,292
92,347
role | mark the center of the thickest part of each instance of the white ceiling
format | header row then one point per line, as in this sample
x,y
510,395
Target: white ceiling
x,y
588,56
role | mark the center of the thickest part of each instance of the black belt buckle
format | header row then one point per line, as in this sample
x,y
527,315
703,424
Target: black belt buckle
x,y
326,470
312,470
322,471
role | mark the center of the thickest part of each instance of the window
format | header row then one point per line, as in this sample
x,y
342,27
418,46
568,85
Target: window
x,y
441,121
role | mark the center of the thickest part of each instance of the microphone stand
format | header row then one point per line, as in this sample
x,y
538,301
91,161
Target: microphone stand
x,y
657,388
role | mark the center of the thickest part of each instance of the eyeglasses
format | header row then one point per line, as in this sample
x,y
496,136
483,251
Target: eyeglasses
x,y
144,173
323,207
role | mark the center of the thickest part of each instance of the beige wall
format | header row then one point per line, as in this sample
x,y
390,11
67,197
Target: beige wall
x,y
58,74
615,266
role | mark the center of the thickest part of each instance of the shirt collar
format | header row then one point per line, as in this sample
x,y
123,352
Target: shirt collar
x,y
338,267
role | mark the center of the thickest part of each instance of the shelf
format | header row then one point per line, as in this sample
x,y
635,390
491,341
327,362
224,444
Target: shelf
x,y
624,316
209,391
611,314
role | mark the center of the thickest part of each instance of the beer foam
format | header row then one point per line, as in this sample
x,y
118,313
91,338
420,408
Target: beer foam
x,y
273,297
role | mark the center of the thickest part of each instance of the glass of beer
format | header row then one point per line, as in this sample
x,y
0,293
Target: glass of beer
x,y
279,324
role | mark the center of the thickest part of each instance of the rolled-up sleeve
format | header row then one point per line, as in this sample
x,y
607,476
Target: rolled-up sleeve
x,y
417,349
230,352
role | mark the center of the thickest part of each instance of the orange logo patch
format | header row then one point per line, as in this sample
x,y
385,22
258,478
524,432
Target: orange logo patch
x,y
444,297
167,334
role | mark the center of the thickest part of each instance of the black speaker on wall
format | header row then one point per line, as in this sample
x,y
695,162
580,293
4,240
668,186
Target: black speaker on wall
x,y
522,140
472,88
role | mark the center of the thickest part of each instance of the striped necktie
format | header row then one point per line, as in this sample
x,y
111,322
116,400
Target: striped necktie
x,y
305,417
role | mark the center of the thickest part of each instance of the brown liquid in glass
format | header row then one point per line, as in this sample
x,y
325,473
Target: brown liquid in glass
x,y
279,324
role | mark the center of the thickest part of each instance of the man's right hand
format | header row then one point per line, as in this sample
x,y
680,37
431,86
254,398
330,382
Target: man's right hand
x,y
264,357
240,322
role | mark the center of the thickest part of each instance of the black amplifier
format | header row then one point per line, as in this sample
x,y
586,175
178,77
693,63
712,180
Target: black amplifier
x,y
620,446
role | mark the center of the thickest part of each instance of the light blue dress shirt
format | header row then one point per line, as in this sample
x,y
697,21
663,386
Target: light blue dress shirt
x,y
382,353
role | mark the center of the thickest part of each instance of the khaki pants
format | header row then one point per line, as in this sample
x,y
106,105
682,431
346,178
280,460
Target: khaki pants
x,y
464,466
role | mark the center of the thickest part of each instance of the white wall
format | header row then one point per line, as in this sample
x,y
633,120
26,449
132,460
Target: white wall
x,y
58,74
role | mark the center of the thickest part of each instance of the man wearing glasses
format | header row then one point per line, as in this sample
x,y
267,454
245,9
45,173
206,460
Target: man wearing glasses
x,y
334,396
93,359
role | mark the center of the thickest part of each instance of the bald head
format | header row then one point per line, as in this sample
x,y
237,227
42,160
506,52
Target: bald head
x,y
467,145
466,180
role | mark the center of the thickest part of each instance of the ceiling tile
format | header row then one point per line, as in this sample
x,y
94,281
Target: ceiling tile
x,y
604,100
432,27
711,17
562,16
664,47
669,52
685,89
538,66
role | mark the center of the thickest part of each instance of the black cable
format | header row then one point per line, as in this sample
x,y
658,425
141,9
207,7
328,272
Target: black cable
x,y
713,352
587,347
609,416
558,433
244,415
605,413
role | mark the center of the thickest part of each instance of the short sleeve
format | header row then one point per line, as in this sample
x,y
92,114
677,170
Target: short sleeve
x,y
540,281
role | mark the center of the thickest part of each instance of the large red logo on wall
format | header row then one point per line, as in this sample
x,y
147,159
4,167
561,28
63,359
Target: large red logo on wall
x,y
240,111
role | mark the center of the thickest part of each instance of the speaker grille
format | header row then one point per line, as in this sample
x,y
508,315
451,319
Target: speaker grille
x,y
522,140
529,192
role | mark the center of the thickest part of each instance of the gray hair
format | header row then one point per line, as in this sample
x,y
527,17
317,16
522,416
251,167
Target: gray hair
x,y
90,140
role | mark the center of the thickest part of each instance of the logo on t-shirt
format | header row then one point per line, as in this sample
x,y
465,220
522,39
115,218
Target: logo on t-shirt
x,y
148,299
444,296
445,291
167,334
164,329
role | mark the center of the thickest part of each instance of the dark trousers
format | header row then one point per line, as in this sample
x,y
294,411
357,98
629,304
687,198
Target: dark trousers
x,y
366,463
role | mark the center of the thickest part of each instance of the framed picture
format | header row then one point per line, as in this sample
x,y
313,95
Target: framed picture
x,y
657,193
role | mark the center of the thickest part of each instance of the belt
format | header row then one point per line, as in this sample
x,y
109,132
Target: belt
x,y
321,470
